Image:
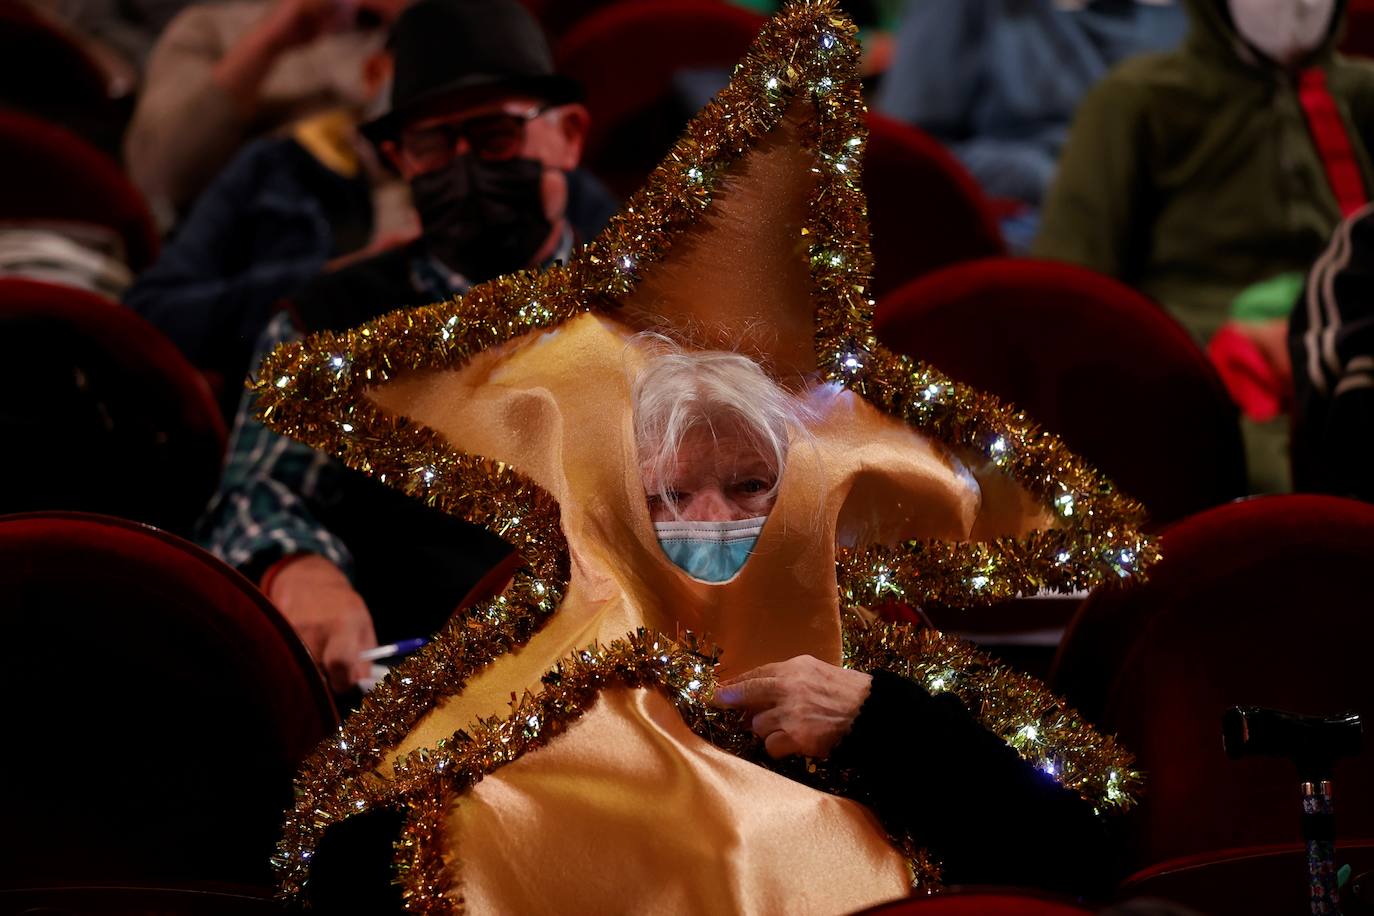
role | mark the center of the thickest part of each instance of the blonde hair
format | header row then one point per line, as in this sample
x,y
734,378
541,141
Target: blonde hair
x,y
679,389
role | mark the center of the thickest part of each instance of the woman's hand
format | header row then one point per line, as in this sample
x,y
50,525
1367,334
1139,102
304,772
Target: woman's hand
x,y
800,706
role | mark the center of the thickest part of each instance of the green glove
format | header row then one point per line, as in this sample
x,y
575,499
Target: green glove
x,y
1268,299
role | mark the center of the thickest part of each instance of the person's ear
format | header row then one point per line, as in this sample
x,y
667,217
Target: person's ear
x,y
573,123
393,154
377,70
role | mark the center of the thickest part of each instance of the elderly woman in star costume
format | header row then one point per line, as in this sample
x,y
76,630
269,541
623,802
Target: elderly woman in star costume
x,y
684,701
712,435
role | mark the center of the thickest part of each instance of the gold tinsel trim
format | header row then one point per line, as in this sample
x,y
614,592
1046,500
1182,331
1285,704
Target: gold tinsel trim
x,y
1017,708
1098,539
429,881
341,777
428,781
316,391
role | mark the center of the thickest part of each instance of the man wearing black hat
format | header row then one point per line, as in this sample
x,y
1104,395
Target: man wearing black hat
x,y
488,137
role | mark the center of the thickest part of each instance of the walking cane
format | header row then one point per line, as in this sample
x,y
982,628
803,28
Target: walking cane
x,y
1314,745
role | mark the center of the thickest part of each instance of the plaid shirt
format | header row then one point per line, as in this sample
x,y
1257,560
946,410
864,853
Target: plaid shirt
x,y
260,513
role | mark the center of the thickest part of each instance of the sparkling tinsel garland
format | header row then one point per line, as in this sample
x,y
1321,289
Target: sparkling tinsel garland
x,y
343,776
1042,729
427,783
316,391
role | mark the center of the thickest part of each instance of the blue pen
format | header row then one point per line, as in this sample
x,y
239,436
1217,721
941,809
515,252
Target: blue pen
x,y
404,647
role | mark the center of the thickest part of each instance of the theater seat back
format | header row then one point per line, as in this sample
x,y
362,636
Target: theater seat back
x,y
159,706
1264,602
103,413
925,210
976,901
626,56
49,175
1090,360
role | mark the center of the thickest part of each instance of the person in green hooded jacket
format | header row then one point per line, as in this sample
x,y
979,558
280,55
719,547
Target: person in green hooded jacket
x,y
1198,176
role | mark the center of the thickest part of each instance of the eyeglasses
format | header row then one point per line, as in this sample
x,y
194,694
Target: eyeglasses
x,y
495,138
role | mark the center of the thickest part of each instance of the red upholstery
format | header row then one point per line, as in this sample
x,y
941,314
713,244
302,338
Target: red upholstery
x,y
1257,879
925,210
980,902
1263,602
47,71
559,16
122,900
159,707
103,414
1089,359
36,50
49,173
1359,28
494,582
625,57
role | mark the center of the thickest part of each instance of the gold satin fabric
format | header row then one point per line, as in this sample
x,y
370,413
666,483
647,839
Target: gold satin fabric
x,y
629,811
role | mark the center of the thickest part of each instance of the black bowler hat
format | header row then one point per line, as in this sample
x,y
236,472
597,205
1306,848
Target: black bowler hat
x,y
450,49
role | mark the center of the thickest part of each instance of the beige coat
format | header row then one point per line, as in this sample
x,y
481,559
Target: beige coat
x,y
185,128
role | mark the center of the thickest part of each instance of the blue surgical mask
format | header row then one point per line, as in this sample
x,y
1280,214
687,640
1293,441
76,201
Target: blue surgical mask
x,y
709,551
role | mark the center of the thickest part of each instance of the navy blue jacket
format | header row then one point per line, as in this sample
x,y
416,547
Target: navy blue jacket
x,y
263,228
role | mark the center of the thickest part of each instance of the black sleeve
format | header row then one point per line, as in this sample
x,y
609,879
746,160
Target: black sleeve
x,y
926,766
351,871
1331,341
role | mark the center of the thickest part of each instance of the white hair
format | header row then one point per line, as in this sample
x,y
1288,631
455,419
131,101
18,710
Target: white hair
x,y
679,389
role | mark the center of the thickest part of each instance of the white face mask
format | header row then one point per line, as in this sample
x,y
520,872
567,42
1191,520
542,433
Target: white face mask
x,y
1285,31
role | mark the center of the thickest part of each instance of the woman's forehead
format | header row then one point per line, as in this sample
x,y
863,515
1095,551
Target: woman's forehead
x,y
705,449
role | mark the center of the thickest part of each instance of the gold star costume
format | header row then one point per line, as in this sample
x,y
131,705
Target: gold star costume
x,y
553,749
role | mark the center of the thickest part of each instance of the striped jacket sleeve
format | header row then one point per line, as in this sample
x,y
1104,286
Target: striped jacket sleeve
x,y
261,510
1331,339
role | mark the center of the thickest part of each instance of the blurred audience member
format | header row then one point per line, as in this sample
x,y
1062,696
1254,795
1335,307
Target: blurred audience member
x,y
1332,342
1204,176
998,80
284,209
488,138
223,73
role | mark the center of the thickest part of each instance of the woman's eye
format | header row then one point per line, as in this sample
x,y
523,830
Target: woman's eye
x,y
753,485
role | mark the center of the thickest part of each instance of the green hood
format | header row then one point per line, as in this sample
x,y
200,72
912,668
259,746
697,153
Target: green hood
x,y
1214,36
1193,175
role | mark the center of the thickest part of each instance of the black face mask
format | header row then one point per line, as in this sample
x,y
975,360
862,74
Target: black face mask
x,y
481,218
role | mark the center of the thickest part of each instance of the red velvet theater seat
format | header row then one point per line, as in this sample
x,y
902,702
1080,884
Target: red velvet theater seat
x,y
925,210
158,708
50,175
1264,602
1090,360
1359,29
47,71
974,901
102,413
1254,879
137,900
557,17
626,57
